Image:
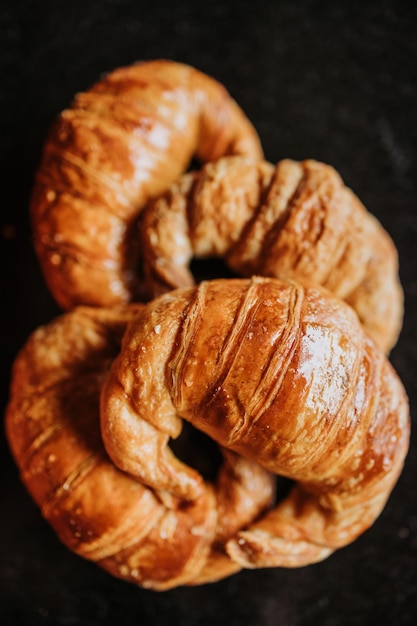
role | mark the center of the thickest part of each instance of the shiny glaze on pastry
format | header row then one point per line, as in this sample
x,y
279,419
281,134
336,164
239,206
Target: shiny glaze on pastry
x,y
141,535
120,143
280,373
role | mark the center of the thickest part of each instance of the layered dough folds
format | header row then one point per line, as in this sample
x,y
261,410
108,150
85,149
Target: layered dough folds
x,y
119,144
293,220
137,533
281,374
282,370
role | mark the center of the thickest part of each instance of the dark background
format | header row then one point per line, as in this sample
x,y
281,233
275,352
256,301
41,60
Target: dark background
x,y
335,81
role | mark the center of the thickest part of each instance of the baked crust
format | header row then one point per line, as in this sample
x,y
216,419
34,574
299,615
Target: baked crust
x,y
294,220
280,373
120,143
141,535
285,377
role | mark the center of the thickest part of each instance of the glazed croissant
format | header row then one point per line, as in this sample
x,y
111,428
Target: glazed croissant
x,y
136,533
279,373
120,143
295,220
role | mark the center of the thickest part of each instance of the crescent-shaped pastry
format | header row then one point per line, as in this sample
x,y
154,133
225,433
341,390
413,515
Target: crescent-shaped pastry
x,y
141,535
280,373
120,143
294,220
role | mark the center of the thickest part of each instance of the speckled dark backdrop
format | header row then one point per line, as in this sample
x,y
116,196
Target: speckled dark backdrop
x,y
336,81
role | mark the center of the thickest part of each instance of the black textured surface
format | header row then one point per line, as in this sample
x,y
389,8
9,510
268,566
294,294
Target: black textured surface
x,y
335,81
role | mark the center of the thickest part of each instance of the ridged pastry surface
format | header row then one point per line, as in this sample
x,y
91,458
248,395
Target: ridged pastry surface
x,y
120,143
294,219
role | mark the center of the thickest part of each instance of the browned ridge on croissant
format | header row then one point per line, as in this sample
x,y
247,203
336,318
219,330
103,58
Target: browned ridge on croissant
x,y
295,220
280,373
120,143
136,533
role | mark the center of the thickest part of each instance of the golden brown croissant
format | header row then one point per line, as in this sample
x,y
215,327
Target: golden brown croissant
x,y
280,373
120,143
296,220
138,534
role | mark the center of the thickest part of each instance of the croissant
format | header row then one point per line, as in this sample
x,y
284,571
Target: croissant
x,y
295,220
280,373
136,533
120,143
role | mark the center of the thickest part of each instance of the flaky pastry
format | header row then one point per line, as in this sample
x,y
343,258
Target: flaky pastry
x,y
141,535
287,379
120,143
294,220
281,374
